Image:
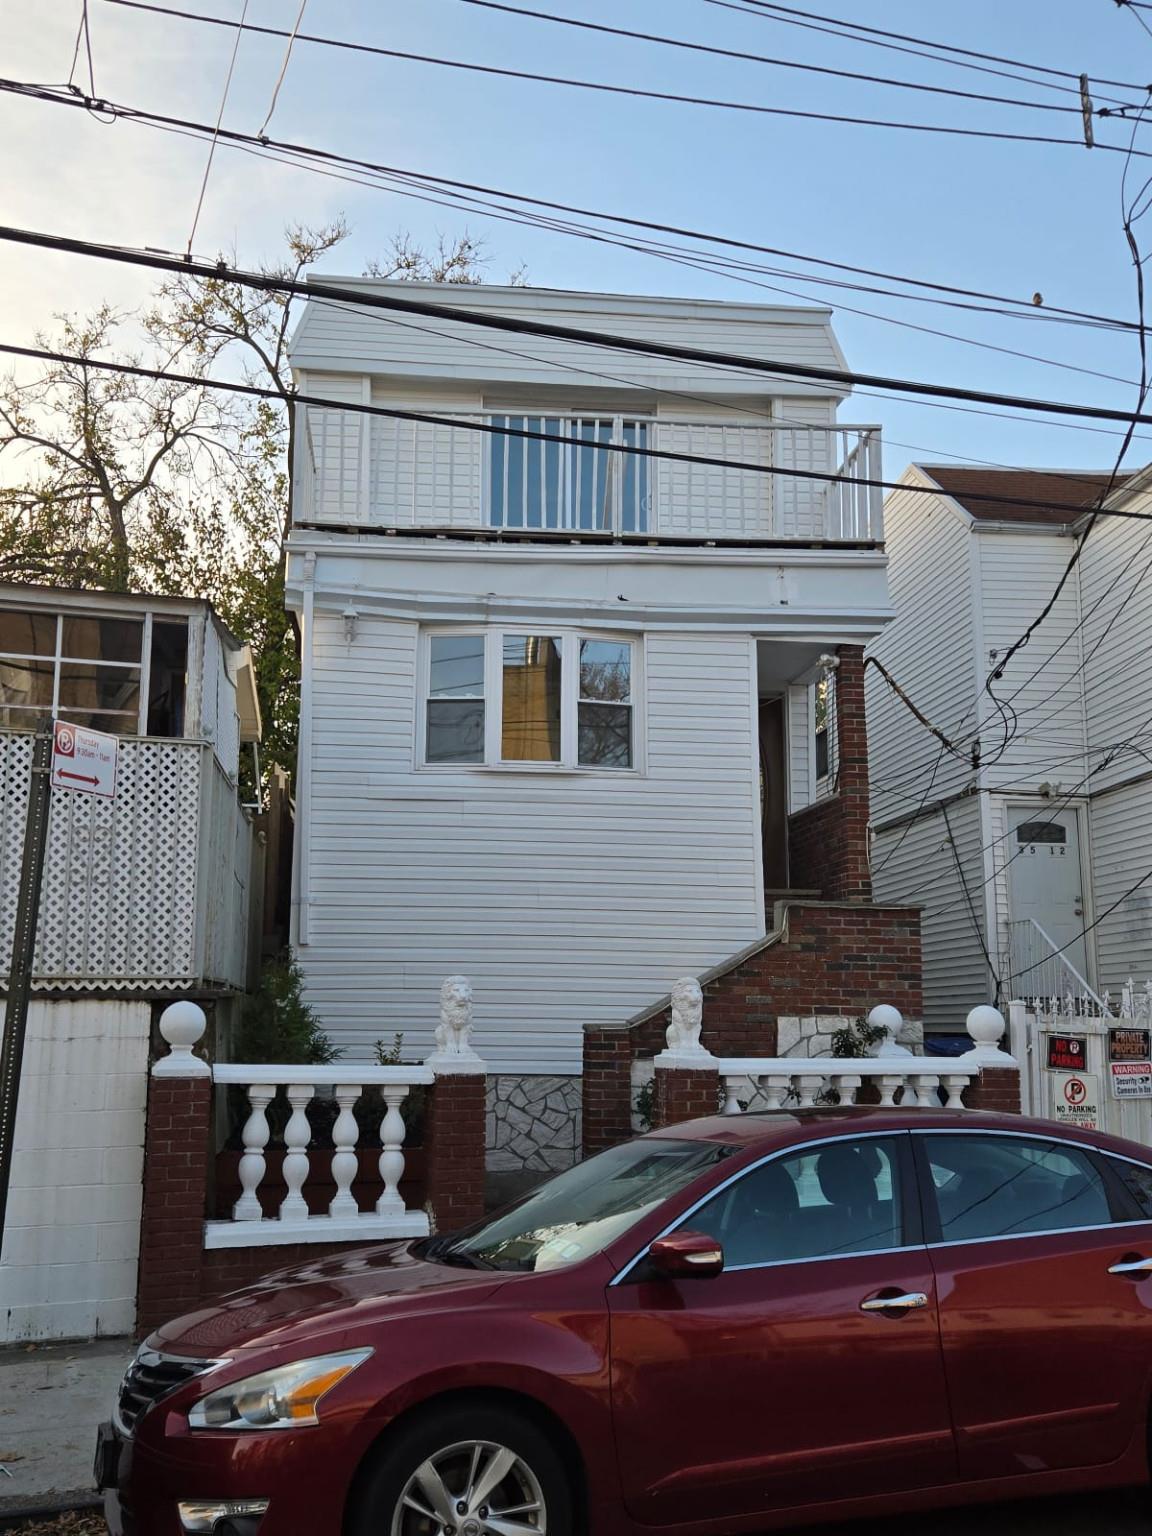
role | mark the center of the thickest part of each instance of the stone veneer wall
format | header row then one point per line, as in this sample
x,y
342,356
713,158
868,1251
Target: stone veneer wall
x,y
533,1124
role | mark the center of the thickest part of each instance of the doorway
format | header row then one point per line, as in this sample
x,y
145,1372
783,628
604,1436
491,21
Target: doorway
x,y
773,794
1045,892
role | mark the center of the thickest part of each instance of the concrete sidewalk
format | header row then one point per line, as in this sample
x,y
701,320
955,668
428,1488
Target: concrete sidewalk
x,y
52,1397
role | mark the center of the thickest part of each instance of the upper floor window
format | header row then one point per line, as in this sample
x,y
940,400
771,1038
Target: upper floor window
x,y
570,481
110,674
514,697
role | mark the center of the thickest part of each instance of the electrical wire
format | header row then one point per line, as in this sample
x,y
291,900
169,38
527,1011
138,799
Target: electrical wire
x,y
759,58
216,131
634,92
283,68
471,192
221,271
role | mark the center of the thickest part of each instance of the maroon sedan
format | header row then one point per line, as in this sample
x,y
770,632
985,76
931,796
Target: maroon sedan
x,y
737,1324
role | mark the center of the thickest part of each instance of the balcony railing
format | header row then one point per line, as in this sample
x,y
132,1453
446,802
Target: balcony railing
x,y
574,473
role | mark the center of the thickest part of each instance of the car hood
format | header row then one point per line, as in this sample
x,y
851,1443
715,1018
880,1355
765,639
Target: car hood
x,y
349,1290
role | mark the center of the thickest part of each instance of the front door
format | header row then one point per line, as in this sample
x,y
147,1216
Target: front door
x,y
784,1381
1046,1347
1045,884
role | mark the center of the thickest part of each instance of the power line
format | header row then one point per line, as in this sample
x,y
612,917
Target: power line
x,y
403,180
637,92
263,129
220,271
216,131
759,58
755,7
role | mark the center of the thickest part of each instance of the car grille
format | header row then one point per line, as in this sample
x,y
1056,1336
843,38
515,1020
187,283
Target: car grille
x,y
151,1377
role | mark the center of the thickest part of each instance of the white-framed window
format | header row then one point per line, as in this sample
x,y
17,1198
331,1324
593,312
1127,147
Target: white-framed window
x,y
528,698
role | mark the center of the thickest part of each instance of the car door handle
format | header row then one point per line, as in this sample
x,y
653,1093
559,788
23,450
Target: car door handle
x,y
1131,1267
908,1301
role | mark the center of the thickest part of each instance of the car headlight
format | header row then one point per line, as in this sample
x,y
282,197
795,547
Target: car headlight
x,y
283,1398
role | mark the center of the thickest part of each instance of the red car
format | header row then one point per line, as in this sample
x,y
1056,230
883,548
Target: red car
x,y
738,1324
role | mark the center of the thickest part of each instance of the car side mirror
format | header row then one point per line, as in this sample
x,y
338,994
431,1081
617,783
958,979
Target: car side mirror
x,y
686,1256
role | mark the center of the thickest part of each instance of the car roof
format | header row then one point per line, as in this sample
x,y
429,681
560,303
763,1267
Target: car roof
x,y
765,1130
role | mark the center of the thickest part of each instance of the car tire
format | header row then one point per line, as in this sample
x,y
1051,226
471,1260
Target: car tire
x,y
458,1443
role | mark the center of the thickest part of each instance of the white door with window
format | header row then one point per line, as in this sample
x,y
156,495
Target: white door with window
x,y
1045,900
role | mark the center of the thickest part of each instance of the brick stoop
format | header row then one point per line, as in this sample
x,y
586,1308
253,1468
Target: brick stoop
x,y
837,958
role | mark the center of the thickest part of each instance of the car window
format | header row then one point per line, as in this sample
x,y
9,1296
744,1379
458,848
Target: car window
x,y
1006,1186
835,1200
1137,1180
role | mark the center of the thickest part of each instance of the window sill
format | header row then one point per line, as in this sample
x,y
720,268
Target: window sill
x,y
545,770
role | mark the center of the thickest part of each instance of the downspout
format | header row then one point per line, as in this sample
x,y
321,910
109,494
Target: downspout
x,y
302,856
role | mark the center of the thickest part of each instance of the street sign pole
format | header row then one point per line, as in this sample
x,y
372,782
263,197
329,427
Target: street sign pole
x,y
23,953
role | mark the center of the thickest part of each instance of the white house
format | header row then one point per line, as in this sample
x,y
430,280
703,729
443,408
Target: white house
x,y
145,896
1026,847
557,726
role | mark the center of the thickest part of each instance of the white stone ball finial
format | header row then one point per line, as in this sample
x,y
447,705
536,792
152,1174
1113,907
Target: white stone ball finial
x,y
891,1021
182,1025
986,1026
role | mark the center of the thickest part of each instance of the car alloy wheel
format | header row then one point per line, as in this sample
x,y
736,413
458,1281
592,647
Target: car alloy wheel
x,y
472,1488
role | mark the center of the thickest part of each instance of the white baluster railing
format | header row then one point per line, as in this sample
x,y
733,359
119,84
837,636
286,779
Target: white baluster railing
x,y
912,1082
344,1221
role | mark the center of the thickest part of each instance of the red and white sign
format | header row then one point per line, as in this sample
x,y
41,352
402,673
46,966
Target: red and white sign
x,y
1132,1079
1077,1099
84,760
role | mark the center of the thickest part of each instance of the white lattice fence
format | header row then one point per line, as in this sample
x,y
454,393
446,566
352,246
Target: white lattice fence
x,y
119,896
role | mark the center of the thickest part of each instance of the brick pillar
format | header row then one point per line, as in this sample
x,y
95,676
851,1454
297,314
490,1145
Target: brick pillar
x,y
454,1142
177,1151
685,1090
606,1088
997,1088
855,879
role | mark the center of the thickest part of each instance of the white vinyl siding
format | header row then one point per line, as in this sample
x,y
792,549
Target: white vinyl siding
x,y
725,503
1121,854
800,766
915,864
566,899
333,441
929,648
1018,575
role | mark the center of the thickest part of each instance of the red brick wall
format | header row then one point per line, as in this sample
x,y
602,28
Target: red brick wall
x,y
454,1149
684,1095
997,1088
176,1169
828,842
832,959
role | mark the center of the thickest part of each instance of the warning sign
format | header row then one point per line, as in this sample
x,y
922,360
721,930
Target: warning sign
x,y
1132,1079
1067,1053
1125,1044
1077,1100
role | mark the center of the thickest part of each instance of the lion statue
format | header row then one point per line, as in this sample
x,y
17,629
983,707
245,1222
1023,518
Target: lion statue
x,y
455,1024
687,1016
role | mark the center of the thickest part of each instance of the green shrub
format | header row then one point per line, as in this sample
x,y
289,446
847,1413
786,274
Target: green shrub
x,y
277,1026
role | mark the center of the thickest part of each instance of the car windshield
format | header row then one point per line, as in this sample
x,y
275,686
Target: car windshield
x,y
582,1210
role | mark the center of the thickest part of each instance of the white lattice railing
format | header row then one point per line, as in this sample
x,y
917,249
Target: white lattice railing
x,y
804,1082
343,1218
121,876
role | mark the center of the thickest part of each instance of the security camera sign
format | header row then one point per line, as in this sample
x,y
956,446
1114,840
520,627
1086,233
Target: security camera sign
x,y
83,760
1131,1079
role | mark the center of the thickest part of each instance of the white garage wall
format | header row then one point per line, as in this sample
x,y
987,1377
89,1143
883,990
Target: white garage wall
x,y
73,1227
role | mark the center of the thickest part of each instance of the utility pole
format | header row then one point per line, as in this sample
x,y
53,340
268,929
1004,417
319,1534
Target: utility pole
x,y
23,953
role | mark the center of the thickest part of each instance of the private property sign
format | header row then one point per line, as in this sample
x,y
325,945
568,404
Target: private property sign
x,y
83,760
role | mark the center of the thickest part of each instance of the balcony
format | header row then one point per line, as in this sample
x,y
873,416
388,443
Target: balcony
x,y
574,474
149,890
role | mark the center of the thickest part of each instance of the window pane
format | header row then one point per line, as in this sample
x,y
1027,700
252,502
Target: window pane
x,y
1041,832
102,720
167,678
633,470
990,1186
26,682
605,670
843,1199
605,735
1138,1182
97,639
84,687
455,731
14,718
531,723
457,667
29,634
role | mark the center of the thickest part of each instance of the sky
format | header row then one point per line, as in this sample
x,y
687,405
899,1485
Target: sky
x,y
1010,218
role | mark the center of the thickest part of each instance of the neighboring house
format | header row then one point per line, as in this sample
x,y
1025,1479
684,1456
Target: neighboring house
x,y
145,896
1025,859
558,725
